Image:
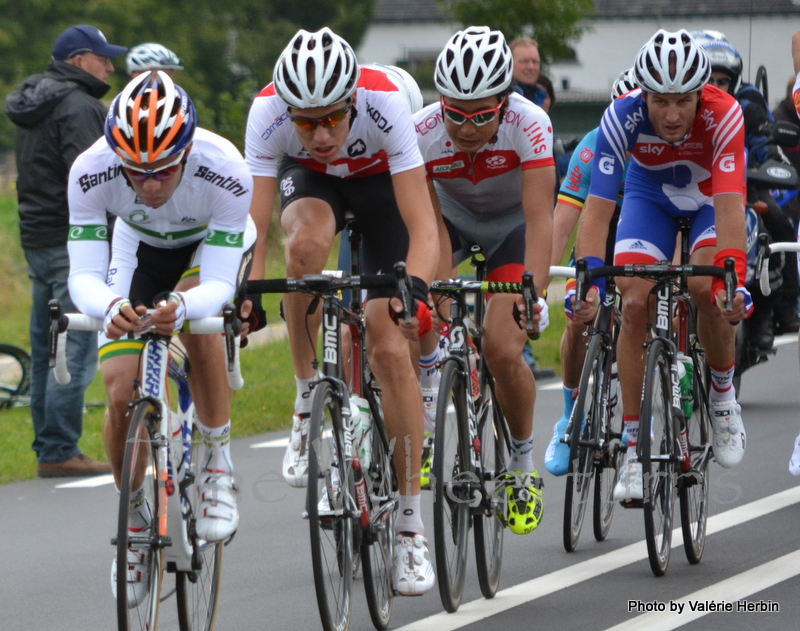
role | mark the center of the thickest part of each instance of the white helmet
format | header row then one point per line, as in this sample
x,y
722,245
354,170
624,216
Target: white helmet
x,y
405,83
152,56
652,66
624,84
475,63
707,35
315,70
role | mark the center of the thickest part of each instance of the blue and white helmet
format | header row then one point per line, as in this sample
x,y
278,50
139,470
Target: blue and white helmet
x,y
725,58
151,56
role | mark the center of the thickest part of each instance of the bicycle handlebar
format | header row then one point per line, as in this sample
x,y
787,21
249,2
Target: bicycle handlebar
x,y
763,268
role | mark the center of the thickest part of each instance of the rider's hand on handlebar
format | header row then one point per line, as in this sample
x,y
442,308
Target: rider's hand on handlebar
x,y
121,318
588,308
742,305
421,321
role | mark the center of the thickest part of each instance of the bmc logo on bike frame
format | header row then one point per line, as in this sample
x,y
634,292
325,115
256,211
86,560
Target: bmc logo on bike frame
x,y
330,341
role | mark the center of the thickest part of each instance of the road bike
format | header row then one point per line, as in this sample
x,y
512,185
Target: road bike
x,y
164,442
677,456
471,441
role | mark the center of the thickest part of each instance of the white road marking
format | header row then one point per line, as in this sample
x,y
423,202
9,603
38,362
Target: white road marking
x,y
88,483
731,590
522,593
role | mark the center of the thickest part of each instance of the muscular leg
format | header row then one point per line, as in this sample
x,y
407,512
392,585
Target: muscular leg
x,y
573,351
716,335
118,375
632,334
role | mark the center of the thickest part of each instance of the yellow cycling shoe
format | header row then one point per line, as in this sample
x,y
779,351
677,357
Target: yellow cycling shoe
x,y
427,461
524,504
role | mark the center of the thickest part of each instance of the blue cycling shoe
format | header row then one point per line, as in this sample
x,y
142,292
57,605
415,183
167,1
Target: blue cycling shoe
x,y
556,458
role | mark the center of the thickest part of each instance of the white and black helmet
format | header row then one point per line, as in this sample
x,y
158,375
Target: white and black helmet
x,y
316,70
671,63
624,84
406,85
475,63
151,56
725,58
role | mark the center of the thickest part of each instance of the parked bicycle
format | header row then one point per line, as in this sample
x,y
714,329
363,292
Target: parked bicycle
x,y
161,446
15,376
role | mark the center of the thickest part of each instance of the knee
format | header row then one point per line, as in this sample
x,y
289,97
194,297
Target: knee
x,y
634,309
389,357
305,245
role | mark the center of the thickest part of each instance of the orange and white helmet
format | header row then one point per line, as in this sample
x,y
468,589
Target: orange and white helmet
x,y
152,118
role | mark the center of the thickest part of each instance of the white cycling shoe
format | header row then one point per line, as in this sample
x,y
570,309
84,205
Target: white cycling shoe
x,y
295,460
794,463
430,398
217,514
630,487
729,434
138,575
413,570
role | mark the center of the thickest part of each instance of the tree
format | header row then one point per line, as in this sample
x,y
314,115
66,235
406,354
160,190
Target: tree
x,y
553,23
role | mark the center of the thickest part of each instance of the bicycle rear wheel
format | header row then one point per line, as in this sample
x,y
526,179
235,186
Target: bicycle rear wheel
x,y
694,484
377,547
15,376
139,463
198,590
330,511
452,474
581,455
659,475
489,524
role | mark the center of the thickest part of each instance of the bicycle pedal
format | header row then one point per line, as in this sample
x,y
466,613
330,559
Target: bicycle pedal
x,y
632,503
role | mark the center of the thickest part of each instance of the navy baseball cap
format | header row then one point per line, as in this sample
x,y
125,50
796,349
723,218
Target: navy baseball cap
x,y
78,40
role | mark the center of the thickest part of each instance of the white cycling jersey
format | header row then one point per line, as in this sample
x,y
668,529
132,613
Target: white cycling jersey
x,y
490,183
381,136
210,204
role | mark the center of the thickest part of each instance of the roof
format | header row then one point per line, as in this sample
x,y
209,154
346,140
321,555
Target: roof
x,y
430,11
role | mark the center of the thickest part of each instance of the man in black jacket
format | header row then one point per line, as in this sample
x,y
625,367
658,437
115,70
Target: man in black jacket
x,y
58,115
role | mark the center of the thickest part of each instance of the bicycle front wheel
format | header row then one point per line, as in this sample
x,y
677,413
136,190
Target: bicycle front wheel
x,y
694,484
377,547
198,591
489,524
657,457
139,467
330,510
15,376
581,455
452,477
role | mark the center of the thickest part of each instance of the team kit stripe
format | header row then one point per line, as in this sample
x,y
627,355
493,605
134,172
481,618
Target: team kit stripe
x,y
225,239
120,347
88,233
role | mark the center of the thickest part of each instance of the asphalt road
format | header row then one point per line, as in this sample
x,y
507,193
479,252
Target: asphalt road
x,y
56,556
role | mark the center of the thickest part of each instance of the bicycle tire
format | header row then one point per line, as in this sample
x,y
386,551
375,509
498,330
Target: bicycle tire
x,y
332,527
657,457
138,447
15,375
197,591
607,467
490,524
452,472
581,456
377,548
694,485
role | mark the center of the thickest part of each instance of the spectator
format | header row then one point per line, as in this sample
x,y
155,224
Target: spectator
x,y
527,65
152,56
58,115
544,83
786,112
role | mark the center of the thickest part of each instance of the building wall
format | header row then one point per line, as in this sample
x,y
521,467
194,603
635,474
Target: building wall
x,y
392,42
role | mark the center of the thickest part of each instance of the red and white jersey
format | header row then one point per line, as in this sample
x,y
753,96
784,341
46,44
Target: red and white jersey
x,y
381,136
490,183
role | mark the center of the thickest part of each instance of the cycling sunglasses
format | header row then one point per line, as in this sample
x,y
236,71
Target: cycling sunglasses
x,y
722,82
161,174
329,120
479,119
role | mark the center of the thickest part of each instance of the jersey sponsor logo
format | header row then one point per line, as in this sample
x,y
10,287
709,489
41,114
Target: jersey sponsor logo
x,y
446,168
225,239
379,119
287,186
187,219
727,163
586,155
277,123
429,123
692,145
574,179
606,165
536,136
358,148
495,162
88,233
708,119
632,120
637,245
228,183
138,216
796,98
89,181
513,118
653,149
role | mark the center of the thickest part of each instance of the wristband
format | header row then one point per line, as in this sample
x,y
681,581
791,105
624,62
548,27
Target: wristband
x,y
740,266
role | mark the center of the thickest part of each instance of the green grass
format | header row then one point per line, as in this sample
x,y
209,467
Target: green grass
x,y
263,404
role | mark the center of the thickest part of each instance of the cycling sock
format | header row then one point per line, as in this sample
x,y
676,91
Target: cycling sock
x,y
409,517
569,400
216,455
302,402
428,373
139,515
632,430
721,384
521,455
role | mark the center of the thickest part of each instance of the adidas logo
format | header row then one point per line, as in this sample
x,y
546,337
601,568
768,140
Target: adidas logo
x,y
638,245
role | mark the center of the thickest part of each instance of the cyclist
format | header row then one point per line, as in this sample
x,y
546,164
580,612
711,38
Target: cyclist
x,y
488,155
794,462
333,137
151,56
571,200
686,145
181,197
